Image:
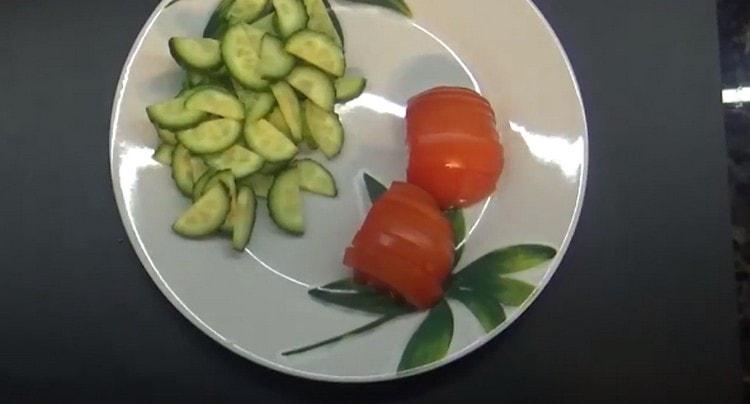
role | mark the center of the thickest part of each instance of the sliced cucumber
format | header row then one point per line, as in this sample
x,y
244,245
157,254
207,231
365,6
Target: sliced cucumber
x,y
319,50
244,218
325,129
199,168
290,108
271,168
205,216
262,106
306,135
246,97
224,178
277,119
241,161
201,54
218,102
244,10
349,87
275,62
211,136
240,49
217,25
200,185
163,154
314,84
173,115
290,16
320,20
266,24
285,202
166,136
182,169
268,141
315,178
261,184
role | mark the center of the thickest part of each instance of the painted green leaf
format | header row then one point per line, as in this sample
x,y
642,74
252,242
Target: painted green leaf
x,y
485,307
456,217
375,189
349,294
353,333
509,260
432,339
396,5
513,292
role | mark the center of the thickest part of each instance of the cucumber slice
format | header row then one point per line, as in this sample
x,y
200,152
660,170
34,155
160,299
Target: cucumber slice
x,y
199,168
240,49
314,84
349,87
182,169
277,119
290,16
285,202
218,102
260,183
315,178
244,10
244,218
272,168
224,178
320,20
325,129
217,25
319,50
290,108
306,135
266,24
163,154
166,136
275,62
205,216
201,54
262,106
200,185
211,136
267,141
246,97
241,161
173,115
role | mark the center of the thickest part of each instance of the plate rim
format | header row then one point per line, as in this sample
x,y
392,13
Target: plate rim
x,y
145,260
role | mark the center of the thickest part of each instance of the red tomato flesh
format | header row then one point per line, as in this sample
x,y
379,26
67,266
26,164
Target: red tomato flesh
x,y
455,152
404,245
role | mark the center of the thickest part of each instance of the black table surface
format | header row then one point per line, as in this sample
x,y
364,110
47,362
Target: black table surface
x,y
641,310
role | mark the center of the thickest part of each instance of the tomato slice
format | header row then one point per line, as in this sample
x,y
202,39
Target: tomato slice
x,y
455,188
404,245
448,116
411,283
456,150
454,92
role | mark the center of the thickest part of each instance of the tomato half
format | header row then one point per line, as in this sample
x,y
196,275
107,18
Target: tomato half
x,y
455,152
405,245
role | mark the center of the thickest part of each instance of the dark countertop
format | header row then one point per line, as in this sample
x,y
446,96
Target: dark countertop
x,y
641,310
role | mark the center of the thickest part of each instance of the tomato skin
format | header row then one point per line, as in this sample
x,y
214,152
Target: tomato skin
x,y
405,245
455,152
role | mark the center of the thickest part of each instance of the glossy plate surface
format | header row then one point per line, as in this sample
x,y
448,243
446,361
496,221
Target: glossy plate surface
x,y
256,303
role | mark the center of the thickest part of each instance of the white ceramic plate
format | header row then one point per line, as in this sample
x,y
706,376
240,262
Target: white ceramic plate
x,y
256,303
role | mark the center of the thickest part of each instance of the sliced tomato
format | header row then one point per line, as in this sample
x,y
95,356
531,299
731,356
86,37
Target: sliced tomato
x,y
456,188
455,152
412,283
405,231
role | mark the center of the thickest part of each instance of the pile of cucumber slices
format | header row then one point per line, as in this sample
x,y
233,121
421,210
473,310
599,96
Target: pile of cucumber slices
x,y
260,88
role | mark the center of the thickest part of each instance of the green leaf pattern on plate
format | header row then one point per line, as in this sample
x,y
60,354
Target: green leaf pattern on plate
x,y
456,217
432,339
375,189
485,307
351,295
